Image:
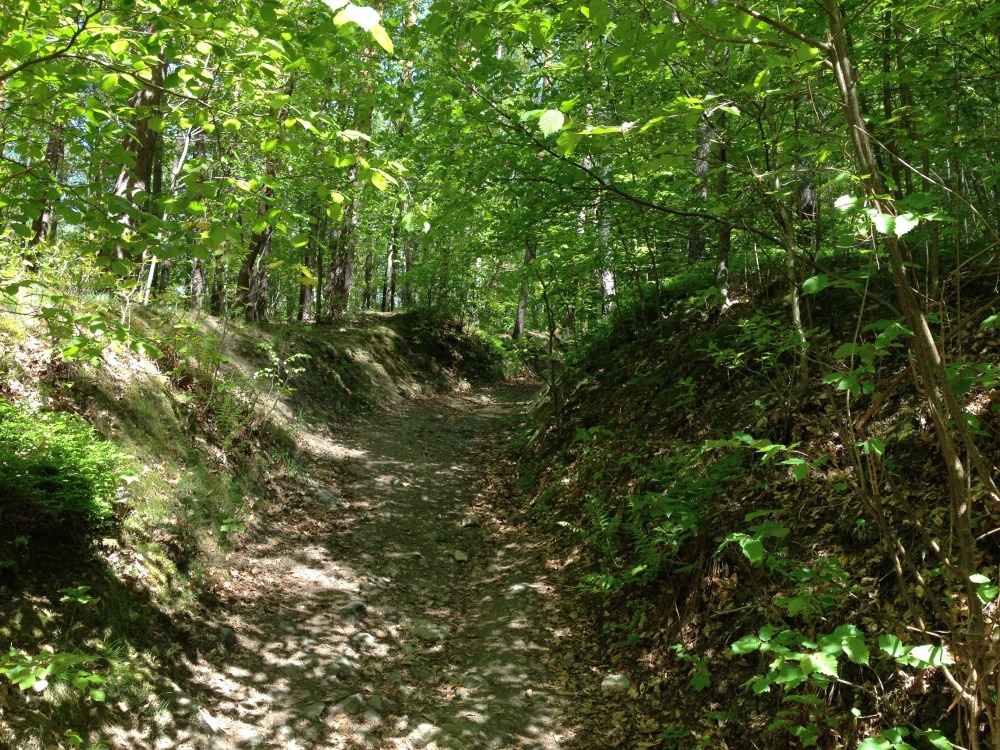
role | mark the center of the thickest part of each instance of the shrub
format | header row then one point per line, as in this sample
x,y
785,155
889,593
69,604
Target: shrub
x,y
56,476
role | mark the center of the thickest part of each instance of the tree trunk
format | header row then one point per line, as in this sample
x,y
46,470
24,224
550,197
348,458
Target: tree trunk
x,y
522,302
217,297
389,289
944,408
725,230
198,285
343,242
368,297
133,183
43,223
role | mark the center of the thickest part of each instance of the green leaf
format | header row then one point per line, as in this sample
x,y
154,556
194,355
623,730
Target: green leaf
x,y
362,15
753,548
884,223
937,739
931,655
904,223
819,662
845,202
232,124
109,83
815,284
268,145
118,46
551,121
701,680
379,35
875,743
600,14
747,644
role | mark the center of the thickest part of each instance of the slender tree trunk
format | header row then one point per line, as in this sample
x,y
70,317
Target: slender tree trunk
x,y
251,276
945,409
44,222
368,294
217,295
389,288
198,284
725,230
133,183
342,246
522,302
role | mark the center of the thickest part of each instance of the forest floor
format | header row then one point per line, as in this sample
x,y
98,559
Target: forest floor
x,y
389,599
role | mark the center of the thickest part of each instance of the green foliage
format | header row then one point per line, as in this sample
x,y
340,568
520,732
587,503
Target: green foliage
x,y
644,532
56,476
36,671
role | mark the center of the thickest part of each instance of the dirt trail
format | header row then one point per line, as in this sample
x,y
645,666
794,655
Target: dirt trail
x,y
383,604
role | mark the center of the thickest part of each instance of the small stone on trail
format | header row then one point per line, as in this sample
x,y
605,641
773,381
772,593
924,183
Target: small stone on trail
x,y
377,703
616,683
431,537
342,666
356,607
405,555
363,640
460,556
469,521
227,637
349,706
428,632
324,495
314,710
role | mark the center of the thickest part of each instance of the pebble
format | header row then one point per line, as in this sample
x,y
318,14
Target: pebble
x,y
428,632
377,703
469,521
324,495
285,732
616,683
460,556
362,640
355,607
415,555
350,706
227,637
314,710
342,666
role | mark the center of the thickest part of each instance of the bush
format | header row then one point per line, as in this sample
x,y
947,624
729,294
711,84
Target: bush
x,y
56,476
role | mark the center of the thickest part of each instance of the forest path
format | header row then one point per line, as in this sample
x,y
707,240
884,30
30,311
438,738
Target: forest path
x,y
385,605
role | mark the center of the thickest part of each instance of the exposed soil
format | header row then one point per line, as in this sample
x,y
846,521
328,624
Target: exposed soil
x,y
385,602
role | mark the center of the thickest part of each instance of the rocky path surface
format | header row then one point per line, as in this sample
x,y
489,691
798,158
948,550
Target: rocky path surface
x,y
384,604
